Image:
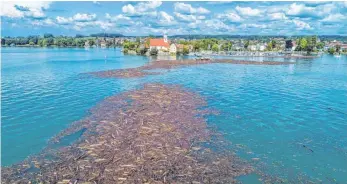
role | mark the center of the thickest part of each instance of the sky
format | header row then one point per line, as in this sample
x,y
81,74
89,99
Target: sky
x,y
174,18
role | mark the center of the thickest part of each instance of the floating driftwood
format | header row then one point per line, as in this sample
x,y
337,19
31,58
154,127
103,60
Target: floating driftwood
x,y
156,134
168,64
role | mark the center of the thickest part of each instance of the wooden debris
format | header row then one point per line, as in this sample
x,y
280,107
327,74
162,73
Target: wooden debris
x,y
131,138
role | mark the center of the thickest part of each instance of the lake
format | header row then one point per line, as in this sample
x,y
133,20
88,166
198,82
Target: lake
x,y
290,121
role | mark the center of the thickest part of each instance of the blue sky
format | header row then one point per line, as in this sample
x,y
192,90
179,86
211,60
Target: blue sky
x,y
144,18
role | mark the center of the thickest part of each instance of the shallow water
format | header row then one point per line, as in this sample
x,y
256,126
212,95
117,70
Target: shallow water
x,y
291,117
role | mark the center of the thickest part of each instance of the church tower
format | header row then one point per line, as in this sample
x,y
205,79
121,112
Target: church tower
x,y
165,38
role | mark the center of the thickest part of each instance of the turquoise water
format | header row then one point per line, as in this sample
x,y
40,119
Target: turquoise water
x,y
292,118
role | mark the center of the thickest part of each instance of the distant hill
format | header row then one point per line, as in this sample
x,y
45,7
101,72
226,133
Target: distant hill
x,y
110,35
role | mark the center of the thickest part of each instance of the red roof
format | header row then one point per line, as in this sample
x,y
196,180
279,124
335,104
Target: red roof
x,y
158,42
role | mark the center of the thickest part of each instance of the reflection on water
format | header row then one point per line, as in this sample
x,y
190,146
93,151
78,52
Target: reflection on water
x,y
288,120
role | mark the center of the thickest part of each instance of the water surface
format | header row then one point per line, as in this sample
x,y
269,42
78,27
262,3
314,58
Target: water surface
x,y
293,118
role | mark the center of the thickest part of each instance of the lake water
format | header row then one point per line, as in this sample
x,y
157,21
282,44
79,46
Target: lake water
x,y
293,118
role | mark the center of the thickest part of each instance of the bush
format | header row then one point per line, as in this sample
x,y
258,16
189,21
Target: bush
x,y
153,52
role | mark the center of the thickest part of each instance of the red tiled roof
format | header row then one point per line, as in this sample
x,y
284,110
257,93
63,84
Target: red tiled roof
x,y
158,42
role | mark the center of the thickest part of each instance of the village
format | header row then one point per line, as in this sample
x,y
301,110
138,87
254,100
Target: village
x,y
239,47
181,45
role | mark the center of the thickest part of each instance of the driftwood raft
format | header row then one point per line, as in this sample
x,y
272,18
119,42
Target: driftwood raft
x,y
169,64
156,134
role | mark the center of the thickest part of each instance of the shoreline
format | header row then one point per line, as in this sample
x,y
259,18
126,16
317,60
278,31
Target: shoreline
x,y
134,137
169,64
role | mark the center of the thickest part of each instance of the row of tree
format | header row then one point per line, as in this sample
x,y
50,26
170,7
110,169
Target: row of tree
x,y
308,44
48,41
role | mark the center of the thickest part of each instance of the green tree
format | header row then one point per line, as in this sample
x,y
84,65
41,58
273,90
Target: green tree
x,y
185,50
320,45
303,44
331,50
215,48
246,44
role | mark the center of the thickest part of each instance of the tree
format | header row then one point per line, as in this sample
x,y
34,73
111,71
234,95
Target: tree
x,y
227,46
289,44
215,48
47,35
153,52
246,44
274,44
331,50
40,42
320,45
303,44
338,48
185,50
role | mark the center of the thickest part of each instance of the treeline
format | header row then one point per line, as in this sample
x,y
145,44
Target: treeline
x,y
61,41
48,40
308,44
212,44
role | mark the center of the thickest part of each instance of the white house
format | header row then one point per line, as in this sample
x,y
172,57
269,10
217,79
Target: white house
x,y
173,49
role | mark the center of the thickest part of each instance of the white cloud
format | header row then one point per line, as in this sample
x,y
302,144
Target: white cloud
x,y
188,9
165,19
34,9
248,11
299,9
117,18
63,20
140,7
218,25
189,18
261,26
84,17
278,16
301,25
100,24
231,16
334,18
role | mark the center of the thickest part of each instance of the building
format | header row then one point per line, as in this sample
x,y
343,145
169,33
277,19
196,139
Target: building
x,y
86,44
161,44
173,49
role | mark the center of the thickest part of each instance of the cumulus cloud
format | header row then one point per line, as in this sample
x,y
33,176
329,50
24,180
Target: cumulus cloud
x,y
301,25
261,26
140,8
189,18
33,9
164,19
63,20
99,24
277,16
230,16
218,25
301,10
119,17
335,18
84,17
248,11
188,9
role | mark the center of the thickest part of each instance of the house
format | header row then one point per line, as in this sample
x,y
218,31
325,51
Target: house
x,y
253,47
343,47
161,44
173,49
86,44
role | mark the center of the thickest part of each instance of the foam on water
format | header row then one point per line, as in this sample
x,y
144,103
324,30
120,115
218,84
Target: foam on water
x,y
292,118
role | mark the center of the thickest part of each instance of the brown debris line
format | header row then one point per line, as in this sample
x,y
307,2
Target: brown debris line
x,y
168,64
124,73
157,134
285,56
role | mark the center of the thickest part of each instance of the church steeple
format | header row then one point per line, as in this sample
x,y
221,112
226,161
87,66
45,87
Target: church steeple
x,y
165,38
